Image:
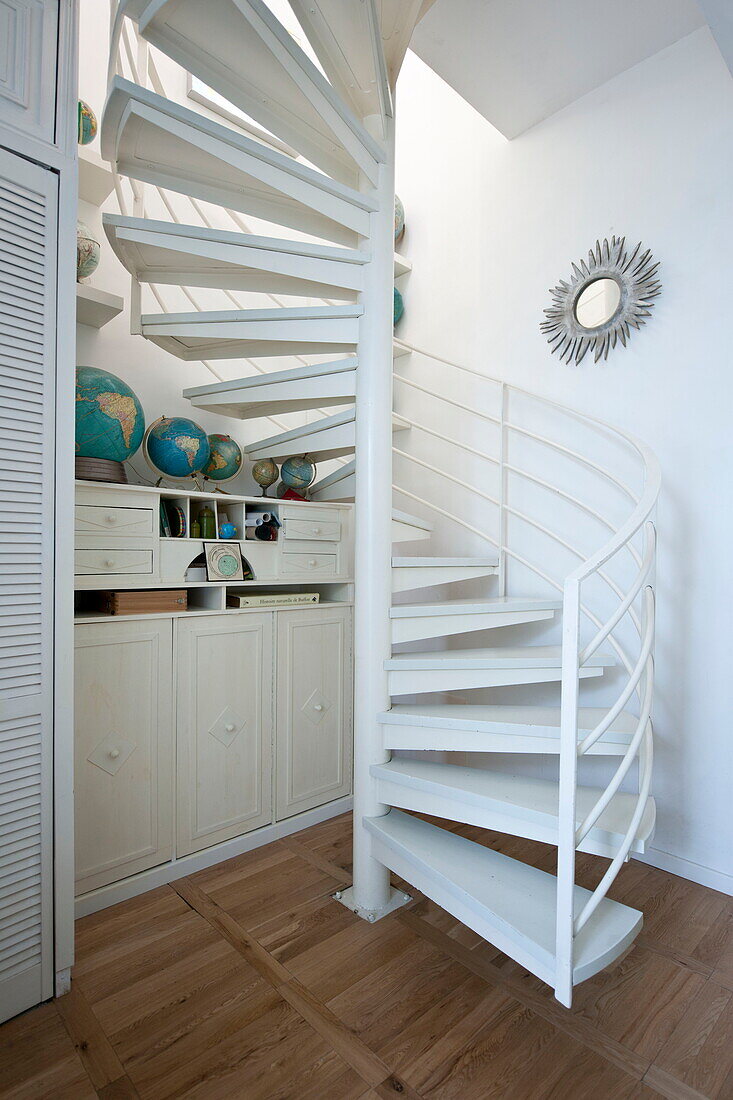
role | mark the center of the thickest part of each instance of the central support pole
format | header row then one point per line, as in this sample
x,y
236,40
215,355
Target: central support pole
x,y
371,896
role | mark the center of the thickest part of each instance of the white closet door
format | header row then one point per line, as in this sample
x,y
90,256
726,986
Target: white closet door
x,y
28,228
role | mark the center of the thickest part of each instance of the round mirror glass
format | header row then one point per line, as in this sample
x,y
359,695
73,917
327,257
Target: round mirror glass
x,y
598,303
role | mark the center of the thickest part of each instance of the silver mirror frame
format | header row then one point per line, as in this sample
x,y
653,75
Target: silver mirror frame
x,y
635,276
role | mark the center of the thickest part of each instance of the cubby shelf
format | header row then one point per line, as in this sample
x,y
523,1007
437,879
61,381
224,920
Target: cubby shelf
x,y
95,307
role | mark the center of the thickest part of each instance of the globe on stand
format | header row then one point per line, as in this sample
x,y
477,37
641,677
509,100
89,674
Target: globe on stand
x,y
87,252
87,123
110,425
298,474
399,219
265,473
176,448
225,460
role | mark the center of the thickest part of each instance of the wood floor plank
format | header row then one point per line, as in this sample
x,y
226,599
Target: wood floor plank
x,y
314,856
92,1045
121,1089
664,1084
699,1052
38,1059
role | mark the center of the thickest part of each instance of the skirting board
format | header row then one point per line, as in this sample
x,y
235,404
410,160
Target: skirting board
x,y
685,868
188,865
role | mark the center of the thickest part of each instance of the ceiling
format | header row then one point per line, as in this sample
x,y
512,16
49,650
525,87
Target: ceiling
x,y
519,61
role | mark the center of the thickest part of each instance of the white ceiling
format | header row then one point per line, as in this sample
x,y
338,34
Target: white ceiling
x,y
519,61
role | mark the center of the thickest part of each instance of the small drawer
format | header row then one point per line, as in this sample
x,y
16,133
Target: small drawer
x,y
324,565
93,519
109,562
320,530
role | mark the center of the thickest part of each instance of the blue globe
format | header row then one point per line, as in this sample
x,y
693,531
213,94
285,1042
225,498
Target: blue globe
x,y
398,307
110,422
176,447
225,460
297,473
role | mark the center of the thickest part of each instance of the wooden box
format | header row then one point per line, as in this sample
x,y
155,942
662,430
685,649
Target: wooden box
x,y
141,602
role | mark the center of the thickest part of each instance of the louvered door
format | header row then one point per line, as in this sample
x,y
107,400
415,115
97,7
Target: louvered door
x,y
28,230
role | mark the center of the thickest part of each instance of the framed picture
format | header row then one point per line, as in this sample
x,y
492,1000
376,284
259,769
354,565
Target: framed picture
x,y
223,562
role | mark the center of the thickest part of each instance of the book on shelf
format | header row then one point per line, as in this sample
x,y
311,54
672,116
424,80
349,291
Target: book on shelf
x,y
272,599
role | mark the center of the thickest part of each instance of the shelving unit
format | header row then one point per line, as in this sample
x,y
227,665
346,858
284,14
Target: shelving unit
x,y
96,307
95,177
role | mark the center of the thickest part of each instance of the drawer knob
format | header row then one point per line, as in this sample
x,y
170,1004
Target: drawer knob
x,y
113,754
229,727
316,530
111,519
312,562
109,563
318,706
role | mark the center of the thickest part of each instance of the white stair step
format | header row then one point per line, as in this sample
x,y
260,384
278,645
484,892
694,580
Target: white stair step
x,y
514,804
160,142
413,573
415,622
320,385
337,486
240,49
189,255
330,437
241,333
508,903
452,727
499,666
408,528
346,38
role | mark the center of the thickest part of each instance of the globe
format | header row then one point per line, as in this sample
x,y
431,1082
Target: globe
x,y
225,459
176,448
87,251
87,123
297,473
398,306
265,473
399,219
110,423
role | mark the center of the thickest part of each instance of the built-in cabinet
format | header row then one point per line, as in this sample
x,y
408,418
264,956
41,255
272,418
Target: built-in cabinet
x,y
198,720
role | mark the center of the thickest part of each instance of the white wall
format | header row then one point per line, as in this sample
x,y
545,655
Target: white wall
x,y
491,226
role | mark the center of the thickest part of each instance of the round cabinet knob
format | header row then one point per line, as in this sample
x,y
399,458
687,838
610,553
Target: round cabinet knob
x,y
316,530
312,562
229,727
318,706
109,563
111,519
113,754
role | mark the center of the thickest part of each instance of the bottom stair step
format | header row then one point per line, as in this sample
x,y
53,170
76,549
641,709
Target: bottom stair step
x,y
508,903
516,804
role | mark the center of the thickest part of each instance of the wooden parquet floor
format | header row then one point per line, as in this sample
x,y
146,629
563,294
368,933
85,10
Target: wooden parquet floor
x,y
247,981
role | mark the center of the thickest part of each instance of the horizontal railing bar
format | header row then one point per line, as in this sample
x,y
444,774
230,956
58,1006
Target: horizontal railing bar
x,y
448,515
444,473
449,439
562,449
448,400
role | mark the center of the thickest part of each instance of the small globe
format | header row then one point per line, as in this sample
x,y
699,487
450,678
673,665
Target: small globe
x,y
398,306
297,473
87,251
110,423
225,460
265,473
399,219
87,123
175,447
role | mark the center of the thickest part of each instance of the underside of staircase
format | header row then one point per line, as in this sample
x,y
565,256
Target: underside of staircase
x,y
420,645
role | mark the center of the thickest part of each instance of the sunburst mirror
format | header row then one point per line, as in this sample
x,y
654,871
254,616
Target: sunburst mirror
x,y
608,294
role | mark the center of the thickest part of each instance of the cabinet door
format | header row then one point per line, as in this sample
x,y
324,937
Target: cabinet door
x,y
314,707
28,231
123,749
224,727
28,34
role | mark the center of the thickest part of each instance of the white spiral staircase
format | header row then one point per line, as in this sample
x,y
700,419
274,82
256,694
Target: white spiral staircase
x,y
564,538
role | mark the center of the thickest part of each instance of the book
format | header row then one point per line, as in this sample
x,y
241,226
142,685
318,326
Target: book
x,y
140,602
272,599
